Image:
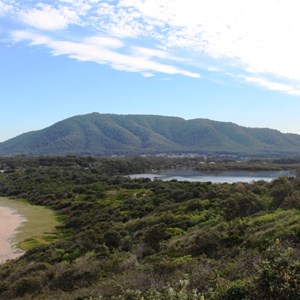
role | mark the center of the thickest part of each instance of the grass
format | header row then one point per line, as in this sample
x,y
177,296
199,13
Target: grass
x,y
39,227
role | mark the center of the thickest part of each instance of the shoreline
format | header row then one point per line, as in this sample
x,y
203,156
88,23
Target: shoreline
x,y
10,222
24,226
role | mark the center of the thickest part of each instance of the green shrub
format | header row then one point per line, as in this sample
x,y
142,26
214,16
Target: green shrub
x,y
26,285
278,275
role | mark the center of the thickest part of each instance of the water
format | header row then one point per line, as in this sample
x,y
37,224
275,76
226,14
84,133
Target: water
x,y
220,177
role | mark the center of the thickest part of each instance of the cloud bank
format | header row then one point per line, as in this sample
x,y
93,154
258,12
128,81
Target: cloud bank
x,y
253,40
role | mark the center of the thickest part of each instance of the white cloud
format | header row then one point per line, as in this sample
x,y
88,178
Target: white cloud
x,y
118,22
276,86
256,36
5,7
104,42
148,74
252,37
102,51
147,52
80,6
46,17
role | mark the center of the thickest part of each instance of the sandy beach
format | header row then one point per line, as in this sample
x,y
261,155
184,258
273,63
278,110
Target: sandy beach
x,y
10,221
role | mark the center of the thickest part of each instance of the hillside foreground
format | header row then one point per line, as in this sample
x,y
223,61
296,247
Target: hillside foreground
x,y
141,239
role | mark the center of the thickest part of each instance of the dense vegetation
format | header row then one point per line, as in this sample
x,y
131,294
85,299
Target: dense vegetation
x,y
108,134
142,239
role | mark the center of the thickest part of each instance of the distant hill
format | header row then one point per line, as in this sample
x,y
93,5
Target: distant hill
x,y
110,134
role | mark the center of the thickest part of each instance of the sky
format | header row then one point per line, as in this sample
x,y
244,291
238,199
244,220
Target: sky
x,y
226,60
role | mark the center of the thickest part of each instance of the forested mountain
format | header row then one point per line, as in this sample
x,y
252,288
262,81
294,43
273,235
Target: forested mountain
x,y
110,134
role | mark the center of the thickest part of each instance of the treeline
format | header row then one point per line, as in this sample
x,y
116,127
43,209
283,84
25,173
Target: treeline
x,y
105,166
131,165
134,239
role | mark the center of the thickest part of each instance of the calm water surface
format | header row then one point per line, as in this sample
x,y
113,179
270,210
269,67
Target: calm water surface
x,y
220,177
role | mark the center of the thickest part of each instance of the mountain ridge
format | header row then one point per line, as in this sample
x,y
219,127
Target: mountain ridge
x,y
111,134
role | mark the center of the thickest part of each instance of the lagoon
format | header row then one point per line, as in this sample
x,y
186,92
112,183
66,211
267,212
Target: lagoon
x,y
217,177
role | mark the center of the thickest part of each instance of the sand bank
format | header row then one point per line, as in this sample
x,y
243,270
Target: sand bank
x,y
25,225
10,221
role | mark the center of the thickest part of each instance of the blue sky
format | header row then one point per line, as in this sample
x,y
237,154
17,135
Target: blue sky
x,y
232,60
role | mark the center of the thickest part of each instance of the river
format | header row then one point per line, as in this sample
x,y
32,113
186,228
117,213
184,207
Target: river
x,y
220,177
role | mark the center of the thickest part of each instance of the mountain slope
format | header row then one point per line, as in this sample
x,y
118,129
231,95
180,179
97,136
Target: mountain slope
x,y
109,134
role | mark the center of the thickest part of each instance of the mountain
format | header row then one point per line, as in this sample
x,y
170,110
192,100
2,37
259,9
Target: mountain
x,y
110,134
